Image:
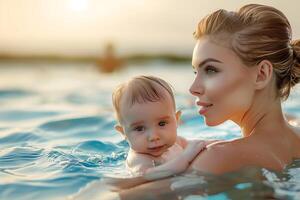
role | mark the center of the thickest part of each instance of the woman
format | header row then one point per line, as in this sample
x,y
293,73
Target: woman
x,y
245,64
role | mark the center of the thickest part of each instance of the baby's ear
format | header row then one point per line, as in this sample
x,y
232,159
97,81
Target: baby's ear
x,y
178,115
120,129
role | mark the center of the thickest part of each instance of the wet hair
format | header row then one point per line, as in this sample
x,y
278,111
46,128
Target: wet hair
x,y
141,89
256,33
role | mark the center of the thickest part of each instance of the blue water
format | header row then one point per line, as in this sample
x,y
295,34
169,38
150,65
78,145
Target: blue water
x,y
57,132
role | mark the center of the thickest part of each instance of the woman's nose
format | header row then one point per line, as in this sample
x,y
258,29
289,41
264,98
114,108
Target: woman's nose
x,y
197,88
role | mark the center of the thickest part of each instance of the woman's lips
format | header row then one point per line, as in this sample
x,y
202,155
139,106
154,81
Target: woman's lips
x,y
203,107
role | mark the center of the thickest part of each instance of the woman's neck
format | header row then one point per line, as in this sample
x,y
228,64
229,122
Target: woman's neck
x,y
263,115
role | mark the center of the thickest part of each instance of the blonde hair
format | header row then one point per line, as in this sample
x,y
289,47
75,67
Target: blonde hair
x,y
256,33
141,89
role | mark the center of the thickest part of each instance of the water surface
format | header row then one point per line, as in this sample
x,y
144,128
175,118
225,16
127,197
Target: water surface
x,y
57,133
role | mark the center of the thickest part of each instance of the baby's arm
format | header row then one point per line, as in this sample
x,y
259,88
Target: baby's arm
x,y
138,163
143,164
150,173
177,165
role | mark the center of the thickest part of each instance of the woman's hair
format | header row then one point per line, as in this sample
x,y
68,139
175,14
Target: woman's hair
x,y
256,33
141,89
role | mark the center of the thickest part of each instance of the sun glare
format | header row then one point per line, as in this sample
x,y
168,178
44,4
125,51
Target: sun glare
x,y
78,5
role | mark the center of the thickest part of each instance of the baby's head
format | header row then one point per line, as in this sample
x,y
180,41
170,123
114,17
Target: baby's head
x,y
146,112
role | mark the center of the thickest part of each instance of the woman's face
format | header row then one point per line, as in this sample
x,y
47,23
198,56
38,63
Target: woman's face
x,y
223,85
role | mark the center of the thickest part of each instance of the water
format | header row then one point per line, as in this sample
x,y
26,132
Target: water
x,y
57,132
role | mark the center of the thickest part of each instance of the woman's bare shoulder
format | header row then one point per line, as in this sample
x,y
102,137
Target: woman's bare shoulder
x,y
219,158
294,121
297,131
295,124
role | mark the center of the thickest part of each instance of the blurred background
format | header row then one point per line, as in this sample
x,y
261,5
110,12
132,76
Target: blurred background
x,y
81,30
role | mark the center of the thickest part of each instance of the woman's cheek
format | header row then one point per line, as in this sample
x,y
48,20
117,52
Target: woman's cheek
x,y
217,87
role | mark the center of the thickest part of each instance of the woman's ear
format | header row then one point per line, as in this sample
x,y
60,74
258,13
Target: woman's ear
x,y
120,129
264,74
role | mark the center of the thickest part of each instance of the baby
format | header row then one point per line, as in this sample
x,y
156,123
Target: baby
x,y
146,112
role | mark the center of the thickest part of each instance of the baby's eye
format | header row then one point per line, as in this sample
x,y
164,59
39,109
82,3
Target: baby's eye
x,y
139,128
195,72
162,123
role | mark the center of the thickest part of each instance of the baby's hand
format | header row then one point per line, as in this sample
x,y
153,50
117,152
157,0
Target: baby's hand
x,y
182,162
193,149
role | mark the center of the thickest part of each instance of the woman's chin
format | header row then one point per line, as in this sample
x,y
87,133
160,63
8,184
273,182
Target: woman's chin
x,y
209,122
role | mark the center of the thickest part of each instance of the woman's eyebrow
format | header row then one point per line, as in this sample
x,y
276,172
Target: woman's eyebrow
x,y
206,61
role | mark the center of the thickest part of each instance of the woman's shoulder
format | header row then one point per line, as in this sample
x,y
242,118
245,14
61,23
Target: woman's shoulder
x,y
296,129
220,157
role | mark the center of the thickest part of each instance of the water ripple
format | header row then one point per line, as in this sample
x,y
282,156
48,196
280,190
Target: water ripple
x,y
96,146
19,115
20,138
73,123
14,157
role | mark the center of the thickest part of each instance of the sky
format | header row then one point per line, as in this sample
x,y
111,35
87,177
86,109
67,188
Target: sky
x,y
83,27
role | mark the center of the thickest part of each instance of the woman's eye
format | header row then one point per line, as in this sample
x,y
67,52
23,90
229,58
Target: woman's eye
x,y
210,70
139,128
163,123
195,72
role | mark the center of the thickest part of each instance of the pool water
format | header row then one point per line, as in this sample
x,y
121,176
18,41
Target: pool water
x,y
57,132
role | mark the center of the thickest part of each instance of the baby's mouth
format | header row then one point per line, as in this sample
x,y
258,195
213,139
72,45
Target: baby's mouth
x,y
157,148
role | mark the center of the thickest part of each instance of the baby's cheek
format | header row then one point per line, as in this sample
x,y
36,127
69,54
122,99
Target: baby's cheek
x,y
174,136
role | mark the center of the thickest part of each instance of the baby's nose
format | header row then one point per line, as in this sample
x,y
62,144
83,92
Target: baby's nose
x,y
153,136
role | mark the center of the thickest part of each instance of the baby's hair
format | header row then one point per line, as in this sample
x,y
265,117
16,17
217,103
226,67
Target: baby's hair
x,y
256,33
140,89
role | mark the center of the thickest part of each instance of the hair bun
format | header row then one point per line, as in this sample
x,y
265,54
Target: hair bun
x,y
296,49
295,68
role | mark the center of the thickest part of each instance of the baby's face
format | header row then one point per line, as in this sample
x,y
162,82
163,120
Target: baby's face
x,y
151,127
